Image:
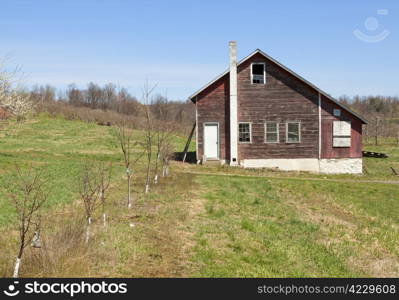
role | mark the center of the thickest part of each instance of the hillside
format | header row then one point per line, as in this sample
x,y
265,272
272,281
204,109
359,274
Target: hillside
x,y
201,220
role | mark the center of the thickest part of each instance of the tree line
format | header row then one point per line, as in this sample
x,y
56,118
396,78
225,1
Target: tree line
x,y
382,114
111,97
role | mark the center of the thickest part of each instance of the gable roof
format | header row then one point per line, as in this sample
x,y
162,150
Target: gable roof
x,y
258,51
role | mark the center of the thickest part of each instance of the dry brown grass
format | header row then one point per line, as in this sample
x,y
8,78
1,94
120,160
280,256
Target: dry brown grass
x,y
156,246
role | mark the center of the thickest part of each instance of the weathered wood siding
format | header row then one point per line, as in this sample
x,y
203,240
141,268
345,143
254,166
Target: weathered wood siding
x,y
283,98
212,106
327,118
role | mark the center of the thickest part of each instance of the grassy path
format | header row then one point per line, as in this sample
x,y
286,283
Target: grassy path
x,y
291,177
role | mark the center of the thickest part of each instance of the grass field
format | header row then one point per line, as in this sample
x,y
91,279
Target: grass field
x,y
232,223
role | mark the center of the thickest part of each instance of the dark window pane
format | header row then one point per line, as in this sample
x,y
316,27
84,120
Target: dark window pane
x,y
271,137
244,132
293,132
271,127
258,71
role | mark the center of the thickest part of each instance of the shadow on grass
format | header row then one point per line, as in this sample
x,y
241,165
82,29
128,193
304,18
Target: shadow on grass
x,y
190,157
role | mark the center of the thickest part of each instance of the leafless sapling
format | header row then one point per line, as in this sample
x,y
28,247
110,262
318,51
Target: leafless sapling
x,y
163,129
89,193
28,195
126,142
148,138
167,152
105,173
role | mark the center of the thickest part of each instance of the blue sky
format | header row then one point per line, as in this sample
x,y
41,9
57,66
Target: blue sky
x,y
181,45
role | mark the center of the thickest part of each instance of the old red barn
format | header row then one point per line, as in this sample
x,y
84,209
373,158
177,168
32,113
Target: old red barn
x,y
259,113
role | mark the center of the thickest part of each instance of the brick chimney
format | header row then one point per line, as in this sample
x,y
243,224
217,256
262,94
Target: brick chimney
x,y
233,104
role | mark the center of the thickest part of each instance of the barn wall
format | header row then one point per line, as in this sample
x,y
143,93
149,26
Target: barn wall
x,y
327,118
212,106
283,98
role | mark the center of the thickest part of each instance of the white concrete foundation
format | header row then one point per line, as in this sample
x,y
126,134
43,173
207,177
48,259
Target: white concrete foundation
x,y
290,164
341,166
325,166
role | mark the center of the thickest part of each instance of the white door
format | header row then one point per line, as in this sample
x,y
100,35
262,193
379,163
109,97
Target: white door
x,y
211,137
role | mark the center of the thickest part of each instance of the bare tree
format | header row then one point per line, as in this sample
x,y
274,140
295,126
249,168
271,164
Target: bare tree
x,y
148,139
28,195
160,109
89,193
105,174
167,152
127,143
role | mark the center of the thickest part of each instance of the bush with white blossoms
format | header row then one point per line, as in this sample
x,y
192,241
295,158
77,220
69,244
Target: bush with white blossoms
x,y
12,99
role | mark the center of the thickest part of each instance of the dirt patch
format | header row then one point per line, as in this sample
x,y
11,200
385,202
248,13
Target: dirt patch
x,y
377,267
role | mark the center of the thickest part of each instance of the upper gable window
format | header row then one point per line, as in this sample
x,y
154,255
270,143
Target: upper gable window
x,y
258,73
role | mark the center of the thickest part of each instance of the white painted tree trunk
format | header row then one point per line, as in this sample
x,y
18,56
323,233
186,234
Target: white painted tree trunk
x,y
147,188
156,179
88,229
16,267
104,220
165,169
129,196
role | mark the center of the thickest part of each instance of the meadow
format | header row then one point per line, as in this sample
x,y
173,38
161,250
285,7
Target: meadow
x,y
201,221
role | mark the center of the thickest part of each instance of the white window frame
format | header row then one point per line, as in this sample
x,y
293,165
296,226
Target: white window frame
x,y
250,132
299,133
264,72
278,132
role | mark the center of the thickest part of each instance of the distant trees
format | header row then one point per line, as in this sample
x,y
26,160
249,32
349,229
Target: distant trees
x,y
111,97
382,113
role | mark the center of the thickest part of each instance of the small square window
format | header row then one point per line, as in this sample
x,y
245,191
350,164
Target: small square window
x,y
258,74
271,132
244,132
293,132
337,112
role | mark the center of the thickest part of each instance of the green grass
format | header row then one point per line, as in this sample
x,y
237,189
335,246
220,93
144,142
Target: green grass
x,y
60,146
247,223
380,167
373,168
254,227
